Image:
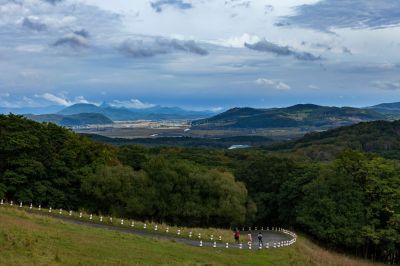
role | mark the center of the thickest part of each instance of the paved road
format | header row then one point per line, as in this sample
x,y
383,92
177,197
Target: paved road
x,y
268,236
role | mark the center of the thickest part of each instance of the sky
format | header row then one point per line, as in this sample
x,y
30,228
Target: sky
x,y
199,54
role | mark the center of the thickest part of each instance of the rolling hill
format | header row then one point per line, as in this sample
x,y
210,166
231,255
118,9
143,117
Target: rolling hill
x,y
302,115
72,120
125,114
28,239
390,109
381,137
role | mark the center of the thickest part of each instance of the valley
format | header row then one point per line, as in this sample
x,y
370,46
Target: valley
x,y
172,122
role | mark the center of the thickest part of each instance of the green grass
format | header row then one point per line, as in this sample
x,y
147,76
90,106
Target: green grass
x,y
30,239
205,233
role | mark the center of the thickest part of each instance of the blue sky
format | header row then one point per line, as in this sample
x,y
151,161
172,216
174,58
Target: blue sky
x,y
199,54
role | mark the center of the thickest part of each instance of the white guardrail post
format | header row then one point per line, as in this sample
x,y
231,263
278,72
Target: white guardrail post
x,y
284,243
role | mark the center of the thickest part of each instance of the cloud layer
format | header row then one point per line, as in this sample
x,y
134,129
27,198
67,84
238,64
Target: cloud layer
x,y
61,100
269,47
273,84
34,24
159,5
158,46
199,53
327,14
387,85
73,41
130,104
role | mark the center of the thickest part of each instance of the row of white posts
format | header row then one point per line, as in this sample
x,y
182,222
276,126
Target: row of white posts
x,y
214,243
249,245
268,245
101,219
277,229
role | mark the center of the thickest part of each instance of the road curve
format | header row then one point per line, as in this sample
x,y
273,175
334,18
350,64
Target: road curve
x,y
269,237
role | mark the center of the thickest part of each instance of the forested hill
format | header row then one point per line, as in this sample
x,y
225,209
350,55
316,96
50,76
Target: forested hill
x,y
381,137
302,115
72,120
389,109
351,202
53,166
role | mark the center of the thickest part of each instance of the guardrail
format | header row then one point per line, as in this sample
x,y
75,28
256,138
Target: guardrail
x,y
203,239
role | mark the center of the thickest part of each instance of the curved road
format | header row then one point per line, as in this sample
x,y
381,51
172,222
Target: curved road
x,y
270,237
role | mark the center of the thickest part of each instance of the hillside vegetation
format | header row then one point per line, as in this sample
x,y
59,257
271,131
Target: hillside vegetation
x,y
302,115
27,239
389,109
58,168
350,202
379,137
224,142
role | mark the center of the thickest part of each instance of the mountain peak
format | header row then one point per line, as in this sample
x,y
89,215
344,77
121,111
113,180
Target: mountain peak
x,y
80,108
305,106
395,105
83,104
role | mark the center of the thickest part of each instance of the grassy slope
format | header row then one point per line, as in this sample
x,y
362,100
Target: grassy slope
x,y
27,239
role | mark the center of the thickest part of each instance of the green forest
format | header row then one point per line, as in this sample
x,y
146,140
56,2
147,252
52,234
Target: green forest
x,y
350,201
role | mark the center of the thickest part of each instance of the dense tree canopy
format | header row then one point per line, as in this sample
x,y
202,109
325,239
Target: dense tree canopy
x,y
352,202
355,202
44,162
168,191
51,165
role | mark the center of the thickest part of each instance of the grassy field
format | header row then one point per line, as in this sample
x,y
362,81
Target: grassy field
x,y
205,233
30,239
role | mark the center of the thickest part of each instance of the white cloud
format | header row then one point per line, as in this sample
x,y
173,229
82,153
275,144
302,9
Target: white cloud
x,y
313,87
30,48
17,102
29,74
62,100
55,99
387,85
132,104
167,76
42,100
238,41
216,109
8,104
273,84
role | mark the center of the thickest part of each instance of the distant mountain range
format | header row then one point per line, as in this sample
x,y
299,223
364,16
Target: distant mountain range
x,y
88,114
72,120
125,114
299,116
307,116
